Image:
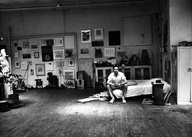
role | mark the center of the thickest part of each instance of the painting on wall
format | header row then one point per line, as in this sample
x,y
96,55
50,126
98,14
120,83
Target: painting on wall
x,y
71,63
34,46
26,56
109,52
86,36
16,55
59,54
49,66
23,65
114,38
98,33
40,69
36,54
97,43
69,74
25,45
69,42
17,64
58,41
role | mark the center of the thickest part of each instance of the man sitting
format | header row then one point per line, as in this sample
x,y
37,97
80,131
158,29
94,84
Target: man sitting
x,y
117,80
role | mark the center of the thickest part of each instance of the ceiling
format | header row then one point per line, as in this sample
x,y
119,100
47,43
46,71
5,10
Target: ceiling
x,y
12,5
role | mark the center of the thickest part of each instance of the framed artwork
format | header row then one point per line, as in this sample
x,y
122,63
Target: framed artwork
x,y
17,64
70,84
36,54
86,36
68,53
114,38
49,66
26,56
25,45
40,69
69,74
109,52
24,65
58,41
71,63
34,46
98,33
97,43
69,42
59,54
19,48
16,55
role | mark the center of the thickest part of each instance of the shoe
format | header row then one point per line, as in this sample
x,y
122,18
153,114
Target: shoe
x,y
123,100
112,100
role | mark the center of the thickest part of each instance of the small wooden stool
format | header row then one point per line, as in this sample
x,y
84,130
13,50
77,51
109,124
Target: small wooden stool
x,y
39,83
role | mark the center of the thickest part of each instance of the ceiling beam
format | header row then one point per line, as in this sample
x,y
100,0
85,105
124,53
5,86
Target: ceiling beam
x,y
70,6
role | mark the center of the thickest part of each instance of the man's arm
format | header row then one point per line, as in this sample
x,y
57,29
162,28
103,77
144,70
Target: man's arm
x,y
109,80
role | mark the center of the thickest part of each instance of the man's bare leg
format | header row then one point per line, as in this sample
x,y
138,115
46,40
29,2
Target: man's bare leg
x,y
111,94
124,93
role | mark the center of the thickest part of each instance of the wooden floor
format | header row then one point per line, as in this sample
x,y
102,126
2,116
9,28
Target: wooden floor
x,y
57,113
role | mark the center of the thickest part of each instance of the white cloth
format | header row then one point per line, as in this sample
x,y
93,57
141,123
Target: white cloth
x,y
118,93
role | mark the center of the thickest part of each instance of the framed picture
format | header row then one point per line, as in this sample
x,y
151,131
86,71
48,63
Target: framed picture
x,y
71,63
26,56
109,52
114,38
86,36
58,41
69,74
40,69
98,33
25,45
16,55
36,54
17,64
69,42
34,46
24,65
58,54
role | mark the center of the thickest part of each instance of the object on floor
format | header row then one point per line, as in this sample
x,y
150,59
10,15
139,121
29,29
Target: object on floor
x,y
4,106
103,96
13,101
157,88
39,83
147,101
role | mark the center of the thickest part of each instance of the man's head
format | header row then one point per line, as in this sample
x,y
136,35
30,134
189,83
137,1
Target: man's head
x,y
116,70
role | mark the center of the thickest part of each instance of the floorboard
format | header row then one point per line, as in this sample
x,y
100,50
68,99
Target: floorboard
x,y
57,113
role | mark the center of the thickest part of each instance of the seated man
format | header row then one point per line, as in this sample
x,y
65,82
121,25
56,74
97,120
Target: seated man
x,y
117,80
